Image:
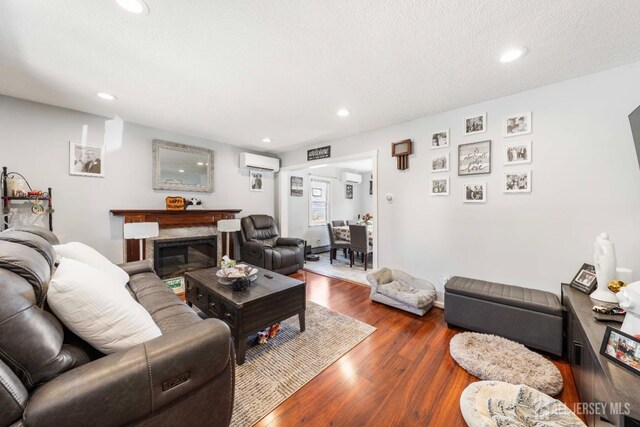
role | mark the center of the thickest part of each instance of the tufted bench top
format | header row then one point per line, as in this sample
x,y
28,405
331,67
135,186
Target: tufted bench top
x,y
529,299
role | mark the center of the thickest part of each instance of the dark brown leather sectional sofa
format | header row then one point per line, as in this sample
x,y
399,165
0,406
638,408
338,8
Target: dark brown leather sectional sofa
x,y
49,377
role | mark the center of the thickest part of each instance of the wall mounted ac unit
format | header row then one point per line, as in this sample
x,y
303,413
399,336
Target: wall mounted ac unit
x,y
351,177
257,162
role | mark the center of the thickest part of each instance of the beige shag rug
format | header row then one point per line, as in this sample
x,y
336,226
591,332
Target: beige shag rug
x,y
495,403
494,358
274,371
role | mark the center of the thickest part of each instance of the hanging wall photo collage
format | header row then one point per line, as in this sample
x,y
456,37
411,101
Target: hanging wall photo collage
x,y
475,157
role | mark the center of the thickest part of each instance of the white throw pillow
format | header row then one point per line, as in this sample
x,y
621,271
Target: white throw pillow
x,y
97,309
86,254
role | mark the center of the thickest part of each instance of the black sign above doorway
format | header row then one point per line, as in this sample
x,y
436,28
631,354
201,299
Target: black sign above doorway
x,y
319,153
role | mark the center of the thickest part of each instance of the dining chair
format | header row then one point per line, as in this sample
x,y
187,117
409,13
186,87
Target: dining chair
x,y
338,223
359,243
336,244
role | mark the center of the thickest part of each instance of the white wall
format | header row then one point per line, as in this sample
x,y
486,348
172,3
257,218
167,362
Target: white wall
x,y
586,180
34,140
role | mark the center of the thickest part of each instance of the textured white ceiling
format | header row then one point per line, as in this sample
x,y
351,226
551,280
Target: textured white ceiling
x,y
236,71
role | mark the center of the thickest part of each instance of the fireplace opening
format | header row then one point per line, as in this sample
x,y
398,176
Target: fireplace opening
x,y
174,257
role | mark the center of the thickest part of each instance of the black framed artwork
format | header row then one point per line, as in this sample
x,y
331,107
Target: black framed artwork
x,y
622,349
585,279
349,191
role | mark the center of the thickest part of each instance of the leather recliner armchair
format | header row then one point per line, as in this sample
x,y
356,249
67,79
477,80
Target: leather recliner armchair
x,y
262,246
50,377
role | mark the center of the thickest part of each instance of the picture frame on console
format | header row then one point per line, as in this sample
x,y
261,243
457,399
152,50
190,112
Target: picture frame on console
x,y
585,279
86,160
622,349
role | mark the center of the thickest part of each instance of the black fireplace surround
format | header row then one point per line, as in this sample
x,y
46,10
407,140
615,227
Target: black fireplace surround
x,y
174,257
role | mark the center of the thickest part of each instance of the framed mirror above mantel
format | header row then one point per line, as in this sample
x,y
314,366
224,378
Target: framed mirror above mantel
x,y
182,167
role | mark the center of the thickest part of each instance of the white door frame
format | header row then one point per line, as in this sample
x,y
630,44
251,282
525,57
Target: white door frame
x,y
283,190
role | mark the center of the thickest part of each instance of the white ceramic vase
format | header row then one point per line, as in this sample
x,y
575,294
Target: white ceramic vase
x,y
604,259
629,298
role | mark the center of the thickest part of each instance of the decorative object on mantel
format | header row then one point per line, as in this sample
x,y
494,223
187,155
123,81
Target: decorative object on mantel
x,y
401,150
182,167
86,160
174,203
319,153
605,262
622,349
629,298
141,231
194,204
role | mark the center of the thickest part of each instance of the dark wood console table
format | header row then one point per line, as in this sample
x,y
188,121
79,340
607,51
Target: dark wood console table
x,y
172,219
598,380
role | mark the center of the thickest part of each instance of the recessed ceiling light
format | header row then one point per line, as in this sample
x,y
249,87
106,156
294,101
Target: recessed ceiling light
x,y
181,170
200,163
267,140
512,55
139,7
106,96
343,112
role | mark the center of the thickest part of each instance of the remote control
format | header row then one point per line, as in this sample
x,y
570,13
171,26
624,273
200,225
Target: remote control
x,y
268,276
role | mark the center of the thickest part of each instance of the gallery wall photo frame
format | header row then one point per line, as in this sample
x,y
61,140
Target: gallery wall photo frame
x,y
86,160
517,181
349,191
439,186
622,349
517,124
475,124
297,186
440,139
256,180
439,162
517,153
474,192
316,192
474,158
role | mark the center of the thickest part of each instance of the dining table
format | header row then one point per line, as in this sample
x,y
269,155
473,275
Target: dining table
x,y
342,232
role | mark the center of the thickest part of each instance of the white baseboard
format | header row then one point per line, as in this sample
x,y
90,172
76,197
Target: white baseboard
x,y
439,304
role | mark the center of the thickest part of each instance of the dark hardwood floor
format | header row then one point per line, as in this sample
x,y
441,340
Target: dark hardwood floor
x,y
401,375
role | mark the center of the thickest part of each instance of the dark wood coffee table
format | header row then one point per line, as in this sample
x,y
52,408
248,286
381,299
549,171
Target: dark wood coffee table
x,y
265,302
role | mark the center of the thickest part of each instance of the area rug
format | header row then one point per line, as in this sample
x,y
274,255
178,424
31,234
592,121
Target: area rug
x,y
494,358
340,268
274,371
487,403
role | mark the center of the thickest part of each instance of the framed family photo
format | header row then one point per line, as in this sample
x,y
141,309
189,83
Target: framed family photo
x,y
517,124
296,186
474,158
256,180
440,162
517,182
474,192
475,124
622,349
349,191
439,187
440,139
86,160
585,280
517,153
